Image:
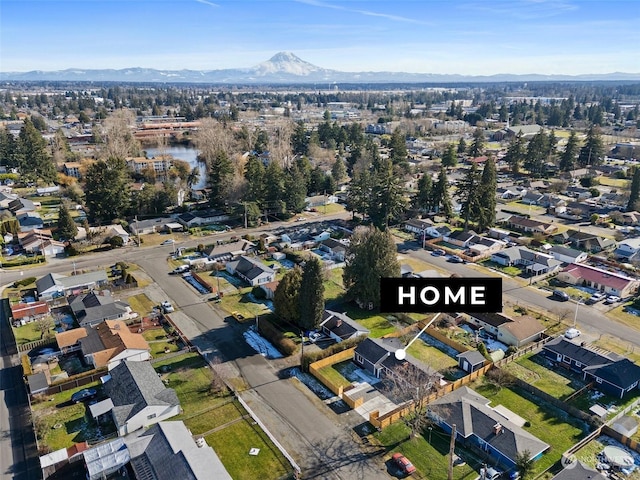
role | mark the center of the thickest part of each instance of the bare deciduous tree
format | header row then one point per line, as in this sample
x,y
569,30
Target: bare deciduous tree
x,y
408,384
280,142
44,326
118,135
212,138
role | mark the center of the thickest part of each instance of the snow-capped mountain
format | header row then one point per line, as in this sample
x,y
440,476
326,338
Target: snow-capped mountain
x,y
285,68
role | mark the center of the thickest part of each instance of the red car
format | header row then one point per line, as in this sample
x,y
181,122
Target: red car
x,y
403,463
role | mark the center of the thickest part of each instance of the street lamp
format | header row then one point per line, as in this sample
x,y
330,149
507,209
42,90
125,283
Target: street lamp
x,y
430,428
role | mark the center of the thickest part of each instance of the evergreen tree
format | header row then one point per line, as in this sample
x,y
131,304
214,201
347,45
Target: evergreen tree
x,y
634,194
295,190
107,189
220,178
571,150
311,298
477,145
441,197
359,194
67,228
274,190
450,158
469,196
516,152
372,254
9,154
537,153
300,140
254,174
462,146
398,147
387,200
34,160
423,199
286,297
487,195
592,153
338,171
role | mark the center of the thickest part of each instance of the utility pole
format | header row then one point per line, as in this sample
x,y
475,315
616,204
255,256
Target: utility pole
x,y
138,230
452,447
245,214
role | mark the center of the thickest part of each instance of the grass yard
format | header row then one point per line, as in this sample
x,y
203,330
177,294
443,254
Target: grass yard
x,y
619,346
332,372
191,380
430,459
526,209
377,324
159,343
545,422
29,333
141,304
242,303
59,423
333,286
419,265
233,443
614,182
619,315
330,209
223,411
431,356
529,369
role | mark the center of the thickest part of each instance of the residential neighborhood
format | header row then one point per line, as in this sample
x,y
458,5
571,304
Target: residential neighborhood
x,y
191,276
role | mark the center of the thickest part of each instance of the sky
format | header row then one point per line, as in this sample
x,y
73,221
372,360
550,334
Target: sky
x,y
470,37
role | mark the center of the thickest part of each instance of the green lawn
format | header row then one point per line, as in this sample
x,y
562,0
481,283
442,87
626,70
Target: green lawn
x,y
219,414
528,369
332,373
60,424
544,421
241,303
191,380
233,443
430,459
431,356
141,304
29,333
377,324
333,285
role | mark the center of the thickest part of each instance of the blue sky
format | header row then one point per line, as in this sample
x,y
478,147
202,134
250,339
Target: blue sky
x,y
423,36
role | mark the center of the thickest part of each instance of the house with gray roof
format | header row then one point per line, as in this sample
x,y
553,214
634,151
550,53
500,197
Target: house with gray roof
x,y
251,271
568,255
167,451
55,285
92,308
336,249
139,397
340,327
377,356
497,434
579,471
533,262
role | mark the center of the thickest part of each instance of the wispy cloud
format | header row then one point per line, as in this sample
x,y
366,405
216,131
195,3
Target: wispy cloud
x,y
368,13
206,2
523,9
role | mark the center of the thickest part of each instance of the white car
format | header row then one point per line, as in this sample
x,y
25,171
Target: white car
x,y
612,299
572,333
167,307
168,242
490,473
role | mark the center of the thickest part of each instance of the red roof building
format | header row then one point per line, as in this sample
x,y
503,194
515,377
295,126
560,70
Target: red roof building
x,y
611,283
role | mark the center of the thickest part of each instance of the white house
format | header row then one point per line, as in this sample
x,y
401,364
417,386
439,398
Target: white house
x,y
109,231
251,271
628,248
139,397
568,255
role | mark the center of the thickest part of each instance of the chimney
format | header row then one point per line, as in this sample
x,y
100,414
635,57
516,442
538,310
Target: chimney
x,y
339,322
497,429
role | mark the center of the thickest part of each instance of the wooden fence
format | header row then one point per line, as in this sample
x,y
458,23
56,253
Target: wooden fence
x,y
74,382
203,282
316,367
25,347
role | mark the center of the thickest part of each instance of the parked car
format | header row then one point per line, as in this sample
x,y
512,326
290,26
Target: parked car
x,y
83,395
560,295
167,307
572,333
455,259
238,316
489,473
316,336
403,463
612,299
180,269
438,252
168,242
595,298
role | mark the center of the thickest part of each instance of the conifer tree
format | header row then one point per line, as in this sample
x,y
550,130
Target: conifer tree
x,y
311,298
67,228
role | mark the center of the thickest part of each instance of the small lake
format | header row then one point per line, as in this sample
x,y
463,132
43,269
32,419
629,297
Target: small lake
x,y
184,153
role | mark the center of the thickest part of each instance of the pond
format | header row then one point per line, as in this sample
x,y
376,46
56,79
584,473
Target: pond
x,y
185,153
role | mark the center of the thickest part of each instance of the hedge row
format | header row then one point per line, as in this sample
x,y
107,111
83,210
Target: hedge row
x,y
285,345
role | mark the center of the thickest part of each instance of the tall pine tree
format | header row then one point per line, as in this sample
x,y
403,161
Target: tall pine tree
x,y
441,197
487,196
571,150
34,160
67,228
286,297
634,194
220,178
450,158
592,153
311,298
469,196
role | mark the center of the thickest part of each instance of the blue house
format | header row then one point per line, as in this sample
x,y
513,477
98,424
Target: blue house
x,y
479,427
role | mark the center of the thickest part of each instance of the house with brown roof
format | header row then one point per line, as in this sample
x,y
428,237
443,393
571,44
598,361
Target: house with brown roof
x,y
513,331
611,283
530,225
108,344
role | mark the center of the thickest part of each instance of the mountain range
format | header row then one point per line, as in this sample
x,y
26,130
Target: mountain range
x,y
287,68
